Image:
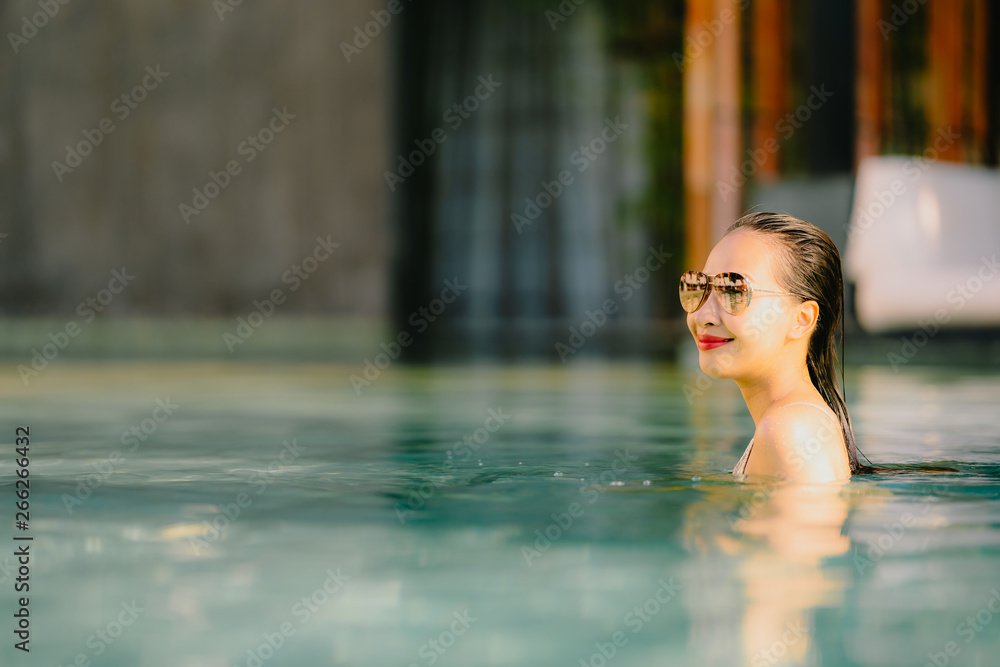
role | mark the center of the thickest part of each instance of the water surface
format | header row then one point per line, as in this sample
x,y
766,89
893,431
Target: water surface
x,y
467,515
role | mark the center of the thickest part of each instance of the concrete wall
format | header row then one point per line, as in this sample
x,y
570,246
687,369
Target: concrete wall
x,y
320,177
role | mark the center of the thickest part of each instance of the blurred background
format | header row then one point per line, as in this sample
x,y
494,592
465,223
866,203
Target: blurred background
x,y
224,222
427,142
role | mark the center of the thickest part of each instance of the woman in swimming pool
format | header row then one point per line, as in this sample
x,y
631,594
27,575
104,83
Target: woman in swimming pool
x,y
763,312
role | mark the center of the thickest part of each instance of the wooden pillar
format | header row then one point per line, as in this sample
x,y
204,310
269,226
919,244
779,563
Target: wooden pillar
x,y
978,114
869,97
727,202
944,89
698,83
770,73
711,141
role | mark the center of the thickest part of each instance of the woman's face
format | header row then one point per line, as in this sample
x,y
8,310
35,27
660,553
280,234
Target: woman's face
x,y
760,335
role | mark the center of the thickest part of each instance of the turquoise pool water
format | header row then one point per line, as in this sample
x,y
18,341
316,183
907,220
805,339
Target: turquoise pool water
x,y
275,517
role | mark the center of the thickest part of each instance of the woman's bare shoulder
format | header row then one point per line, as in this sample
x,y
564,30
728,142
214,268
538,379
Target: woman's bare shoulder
x,y
801,442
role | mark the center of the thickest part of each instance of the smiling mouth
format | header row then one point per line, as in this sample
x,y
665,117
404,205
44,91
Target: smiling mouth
x,y
710,342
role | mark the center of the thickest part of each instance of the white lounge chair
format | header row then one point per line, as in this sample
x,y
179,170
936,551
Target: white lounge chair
x,y
923,244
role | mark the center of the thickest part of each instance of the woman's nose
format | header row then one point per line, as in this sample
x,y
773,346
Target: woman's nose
x,y
709,311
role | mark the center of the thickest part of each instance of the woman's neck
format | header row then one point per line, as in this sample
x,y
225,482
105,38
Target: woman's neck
x,y
760,393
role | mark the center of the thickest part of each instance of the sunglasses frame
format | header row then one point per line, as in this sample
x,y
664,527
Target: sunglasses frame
x,y
710,285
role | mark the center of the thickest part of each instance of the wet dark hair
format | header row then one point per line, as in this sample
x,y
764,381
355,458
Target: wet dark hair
x,y
809,266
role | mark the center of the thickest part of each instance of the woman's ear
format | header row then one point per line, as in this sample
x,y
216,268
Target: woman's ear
x,y
806,316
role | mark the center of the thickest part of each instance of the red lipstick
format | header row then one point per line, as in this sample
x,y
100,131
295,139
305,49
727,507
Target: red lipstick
x,y
706,342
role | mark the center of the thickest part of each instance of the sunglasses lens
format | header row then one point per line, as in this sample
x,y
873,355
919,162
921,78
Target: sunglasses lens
x,y
692,290
734,292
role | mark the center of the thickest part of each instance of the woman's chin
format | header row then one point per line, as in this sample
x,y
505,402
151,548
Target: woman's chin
x,y
716,366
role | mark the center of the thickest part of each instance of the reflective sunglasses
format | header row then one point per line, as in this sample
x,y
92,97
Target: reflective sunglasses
x,y
734,291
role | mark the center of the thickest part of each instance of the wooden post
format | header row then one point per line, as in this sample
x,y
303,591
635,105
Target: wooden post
x,y
869,98
711,139
727,199
944,89
770,73
978,114
698,85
